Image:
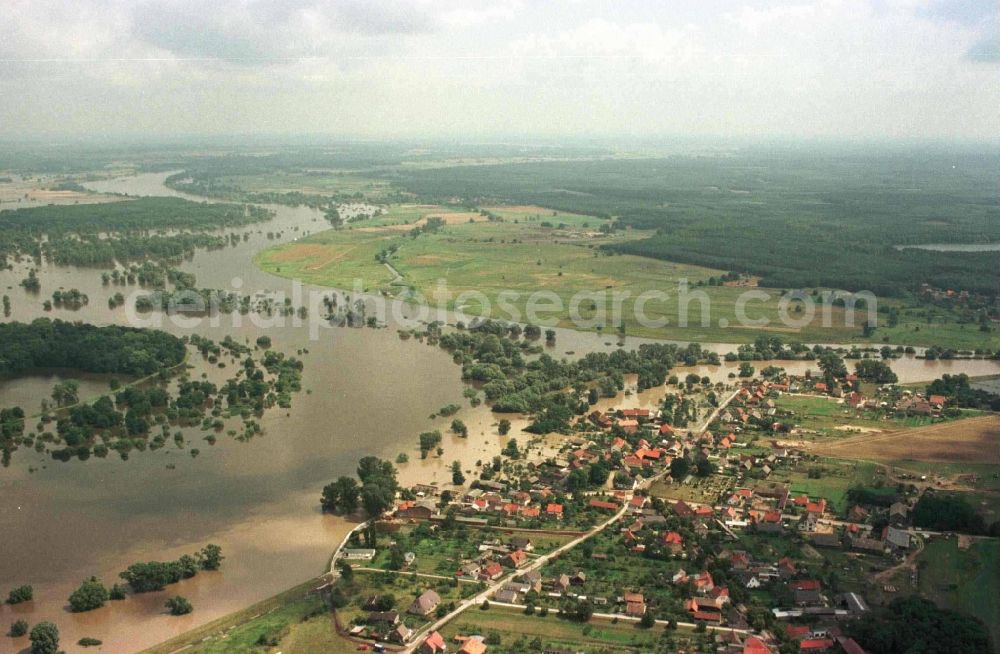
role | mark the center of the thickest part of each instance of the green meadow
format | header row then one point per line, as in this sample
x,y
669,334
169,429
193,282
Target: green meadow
x,y
964,580
827,417
499,265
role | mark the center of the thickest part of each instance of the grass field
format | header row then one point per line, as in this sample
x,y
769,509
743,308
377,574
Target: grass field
x,y
836,477
555,252
977,476
239,632
823,417
964,580
517,631
329,182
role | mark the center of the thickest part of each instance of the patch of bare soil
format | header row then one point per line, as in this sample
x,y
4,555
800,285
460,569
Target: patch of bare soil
x,y
974,440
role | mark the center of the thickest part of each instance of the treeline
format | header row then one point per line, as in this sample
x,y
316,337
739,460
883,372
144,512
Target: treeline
x,y
156,575
959,393
785,256
142,214
45,343
829,218
96,251
100,234
939,511
916,625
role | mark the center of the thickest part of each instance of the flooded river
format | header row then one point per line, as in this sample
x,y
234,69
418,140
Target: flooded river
x,y
366,392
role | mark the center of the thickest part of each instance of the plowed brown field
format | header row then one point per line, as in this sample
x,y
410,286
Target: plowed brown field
x,y
974,440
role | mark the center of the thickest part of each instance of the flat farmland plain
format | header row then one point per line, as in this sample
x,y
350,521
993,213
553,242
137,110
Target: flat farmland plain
x,y
974,440
530,250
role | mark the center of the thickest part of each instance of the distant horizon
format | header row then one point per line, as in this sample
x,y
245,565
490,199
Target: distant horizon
x,y
528,140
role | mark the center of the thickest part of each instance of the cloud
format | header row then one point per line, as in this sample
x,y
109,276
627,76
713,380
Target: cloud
x,y
483,67
256,32
967,12
466,16
986,50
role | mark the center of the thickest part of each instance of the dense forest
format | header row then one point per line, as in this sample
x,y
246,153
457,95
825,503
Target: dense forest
x,y
795,219
950,512
101,234
46,343
913,625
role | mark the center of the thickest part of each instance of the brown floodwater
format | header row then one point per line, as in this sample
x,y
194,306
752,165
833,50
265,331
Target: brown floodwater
x,y
29,391
366,391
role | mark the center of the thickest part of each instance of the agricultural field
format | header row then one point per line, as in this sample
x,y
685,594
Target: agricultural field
x,y
325,182
17,192
532,250
964,578
973,440
519,633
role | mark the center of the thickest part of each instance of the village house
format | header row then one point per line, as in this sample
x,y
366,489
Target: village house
x,y
674,541
491,571
426,603
505,597
401,634
515,559
433,644
898,539
703,610
470,569
422,510
866,544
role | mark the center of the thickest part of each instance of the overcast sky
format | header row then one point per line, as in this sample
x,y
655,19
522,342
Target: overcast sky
x,y
399,68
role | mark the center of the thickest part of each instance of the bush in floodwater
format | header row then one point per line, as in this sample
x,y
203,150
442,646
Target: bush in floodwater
x,y
179,605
